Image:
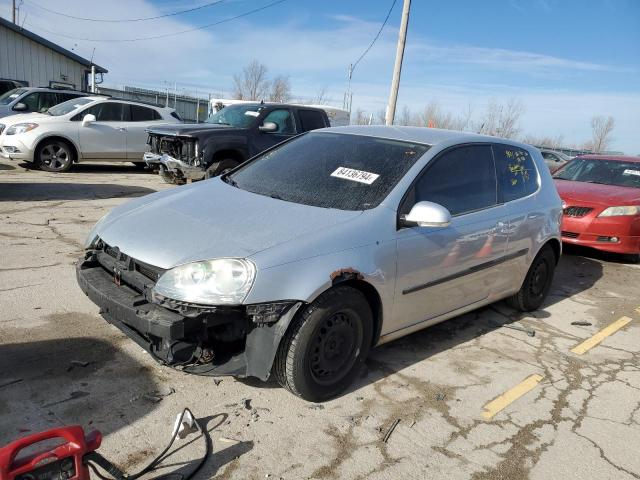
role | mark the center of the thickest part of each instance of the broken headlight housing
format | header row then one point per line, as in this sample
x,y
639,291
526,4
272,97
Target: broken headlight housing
x,y
224,281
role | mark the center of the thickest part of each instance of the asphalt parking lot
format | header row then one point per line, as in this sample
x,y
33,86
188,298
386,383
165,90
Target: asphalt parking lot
x,y
469,398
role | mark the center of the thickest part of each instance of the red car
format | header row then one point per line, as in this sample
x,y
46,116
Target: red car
x,y
601,202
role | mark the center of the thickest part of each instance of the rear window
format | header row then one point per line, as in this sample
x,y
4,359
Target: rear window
x,y
517,171
143,114
330,170
311,120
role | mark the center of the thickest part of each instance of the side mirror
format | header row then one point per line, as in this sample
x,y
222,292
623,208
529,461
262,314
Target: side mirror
x,y
268,127
427,214
20,107
88,119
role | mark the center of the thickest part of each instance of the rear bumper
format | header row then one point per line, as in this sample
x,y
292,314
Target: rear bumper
x,y
178,341
173,166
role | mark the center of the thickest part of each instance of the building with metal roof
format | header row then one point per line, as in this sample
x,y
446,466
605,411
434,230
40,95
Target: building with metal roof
x,y
36,62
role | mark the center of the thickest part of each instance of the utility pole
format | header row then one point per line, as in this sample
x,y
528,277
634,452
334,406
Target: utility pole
x,y
14,11
395,83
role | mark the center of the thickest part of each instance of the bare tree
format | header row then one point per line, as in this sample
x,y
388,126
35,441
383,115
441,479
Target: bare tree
x,y
252,83
381,116
321,97
280,89
361,117
601,128
502,120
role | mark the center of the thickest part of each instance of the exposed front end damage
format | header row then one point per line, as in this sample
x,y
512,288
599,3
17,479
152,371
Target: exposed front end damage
x,y
206,340
177,158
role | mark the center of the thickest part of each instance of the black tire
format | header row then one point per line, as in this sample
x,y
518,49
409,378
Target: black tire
x,y
54,156
537,283
632,258
219,167
140,165
325,345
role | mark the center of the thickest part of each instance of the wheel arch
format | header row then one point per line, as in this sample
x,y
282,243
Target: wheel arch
x,y
555,245
373,299
74,148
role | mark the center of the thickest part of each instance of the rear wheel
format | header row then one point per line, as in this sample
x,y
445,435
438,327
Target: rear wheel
x,y
54,156
140,165
325,345
219,167
537,282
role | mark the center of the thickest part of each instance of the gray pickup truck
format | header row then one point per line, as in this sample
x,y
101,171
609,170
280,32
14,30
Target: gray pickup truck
x,y
227,138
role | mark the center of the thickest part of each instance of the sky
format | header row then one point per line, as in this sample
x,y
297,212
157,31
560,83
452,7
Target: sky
x,y
565,60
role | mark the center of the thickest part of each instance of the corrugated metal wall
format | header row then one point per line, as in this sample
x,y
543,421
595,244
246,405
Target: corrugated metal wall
x,y
185,106
25,60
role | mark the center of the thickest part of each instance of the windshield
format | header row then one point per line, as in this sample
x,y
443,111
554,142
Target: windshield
x,y
11,95
241,115
607,172
330,170
68,106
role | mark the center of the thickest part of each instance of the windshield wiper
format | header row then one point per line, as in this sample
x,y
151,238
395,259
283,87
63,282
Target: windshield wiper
x,y
230,181
597,183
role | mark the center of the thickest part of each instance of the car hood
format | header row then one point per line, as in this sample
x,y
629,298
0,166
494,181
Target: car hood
x,y
26,117
605,195
189,129
207,220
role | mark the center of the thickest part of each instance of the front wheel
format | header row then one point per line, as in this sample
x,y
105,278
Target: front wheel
x,y
220,167
537,283
54,156
325,345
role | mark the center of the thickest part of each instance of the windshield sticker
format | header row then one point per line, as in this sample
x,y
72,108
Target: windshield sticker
x,y
631,172
355,175
251,113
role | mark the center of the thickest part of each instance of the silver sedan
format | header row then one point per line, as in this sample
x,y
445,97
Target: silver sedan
x,y
299,261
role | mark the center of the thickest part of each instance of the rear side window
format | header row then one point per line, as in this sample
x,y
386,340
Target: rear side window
x,y
517,171
462,180
311,120
143,114
176,116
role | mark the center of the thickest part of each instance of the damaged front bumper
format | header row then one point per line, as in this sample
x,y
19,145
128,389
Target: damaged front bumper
x,y
173,166
212,341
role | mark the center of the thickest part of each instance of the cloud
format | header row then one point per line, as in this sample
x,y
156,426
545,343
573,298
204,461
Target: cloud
x,y
316,52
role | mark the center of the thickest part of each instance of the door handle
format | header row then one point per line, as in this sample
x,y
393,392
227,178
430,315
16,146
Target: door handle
x,y
122,129
502,227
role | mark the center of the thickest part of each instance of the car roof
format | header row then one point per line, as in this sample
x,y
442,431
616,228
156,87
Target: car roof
x,y
618,158
135,102
48,89
428,136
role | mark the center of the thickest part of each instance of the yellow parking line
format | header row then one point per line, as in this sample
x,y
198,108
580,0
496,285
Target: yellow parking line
x,y
510,396
600,336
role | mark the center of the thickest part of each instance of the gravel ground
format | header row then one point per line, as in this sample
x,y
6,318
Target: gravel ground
x,y
61,363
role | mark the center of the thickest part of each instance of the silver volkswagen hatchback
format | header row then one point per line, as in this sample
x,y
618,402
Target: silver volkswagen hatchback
x,y
302,259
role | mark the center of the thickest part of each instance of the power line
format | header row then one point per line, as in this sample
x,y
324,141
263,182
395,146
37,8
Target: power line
x,y
393,4
141,19
203,27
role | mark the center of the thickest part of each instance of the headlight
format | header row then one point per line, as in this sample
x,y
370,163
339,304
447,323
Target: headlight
x,y
20,128
620,211
224,281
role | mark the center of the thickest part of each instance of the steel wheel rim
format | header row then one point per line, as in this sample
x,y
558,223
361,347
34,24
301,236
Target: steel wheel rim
x,y
336,343
55,156
539,279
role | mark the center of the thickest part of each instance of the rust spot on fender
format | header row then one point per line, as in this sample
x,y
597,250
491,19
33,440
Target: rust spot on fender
x,y
346,274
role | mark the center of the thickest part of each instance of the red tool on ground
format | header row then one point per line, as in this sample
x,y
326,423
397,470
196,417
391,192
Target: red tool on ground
x,y
66,453
61,462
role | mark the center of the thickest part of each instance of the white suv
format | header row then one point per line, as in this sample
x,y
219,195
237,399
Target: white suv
x,y
94,128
